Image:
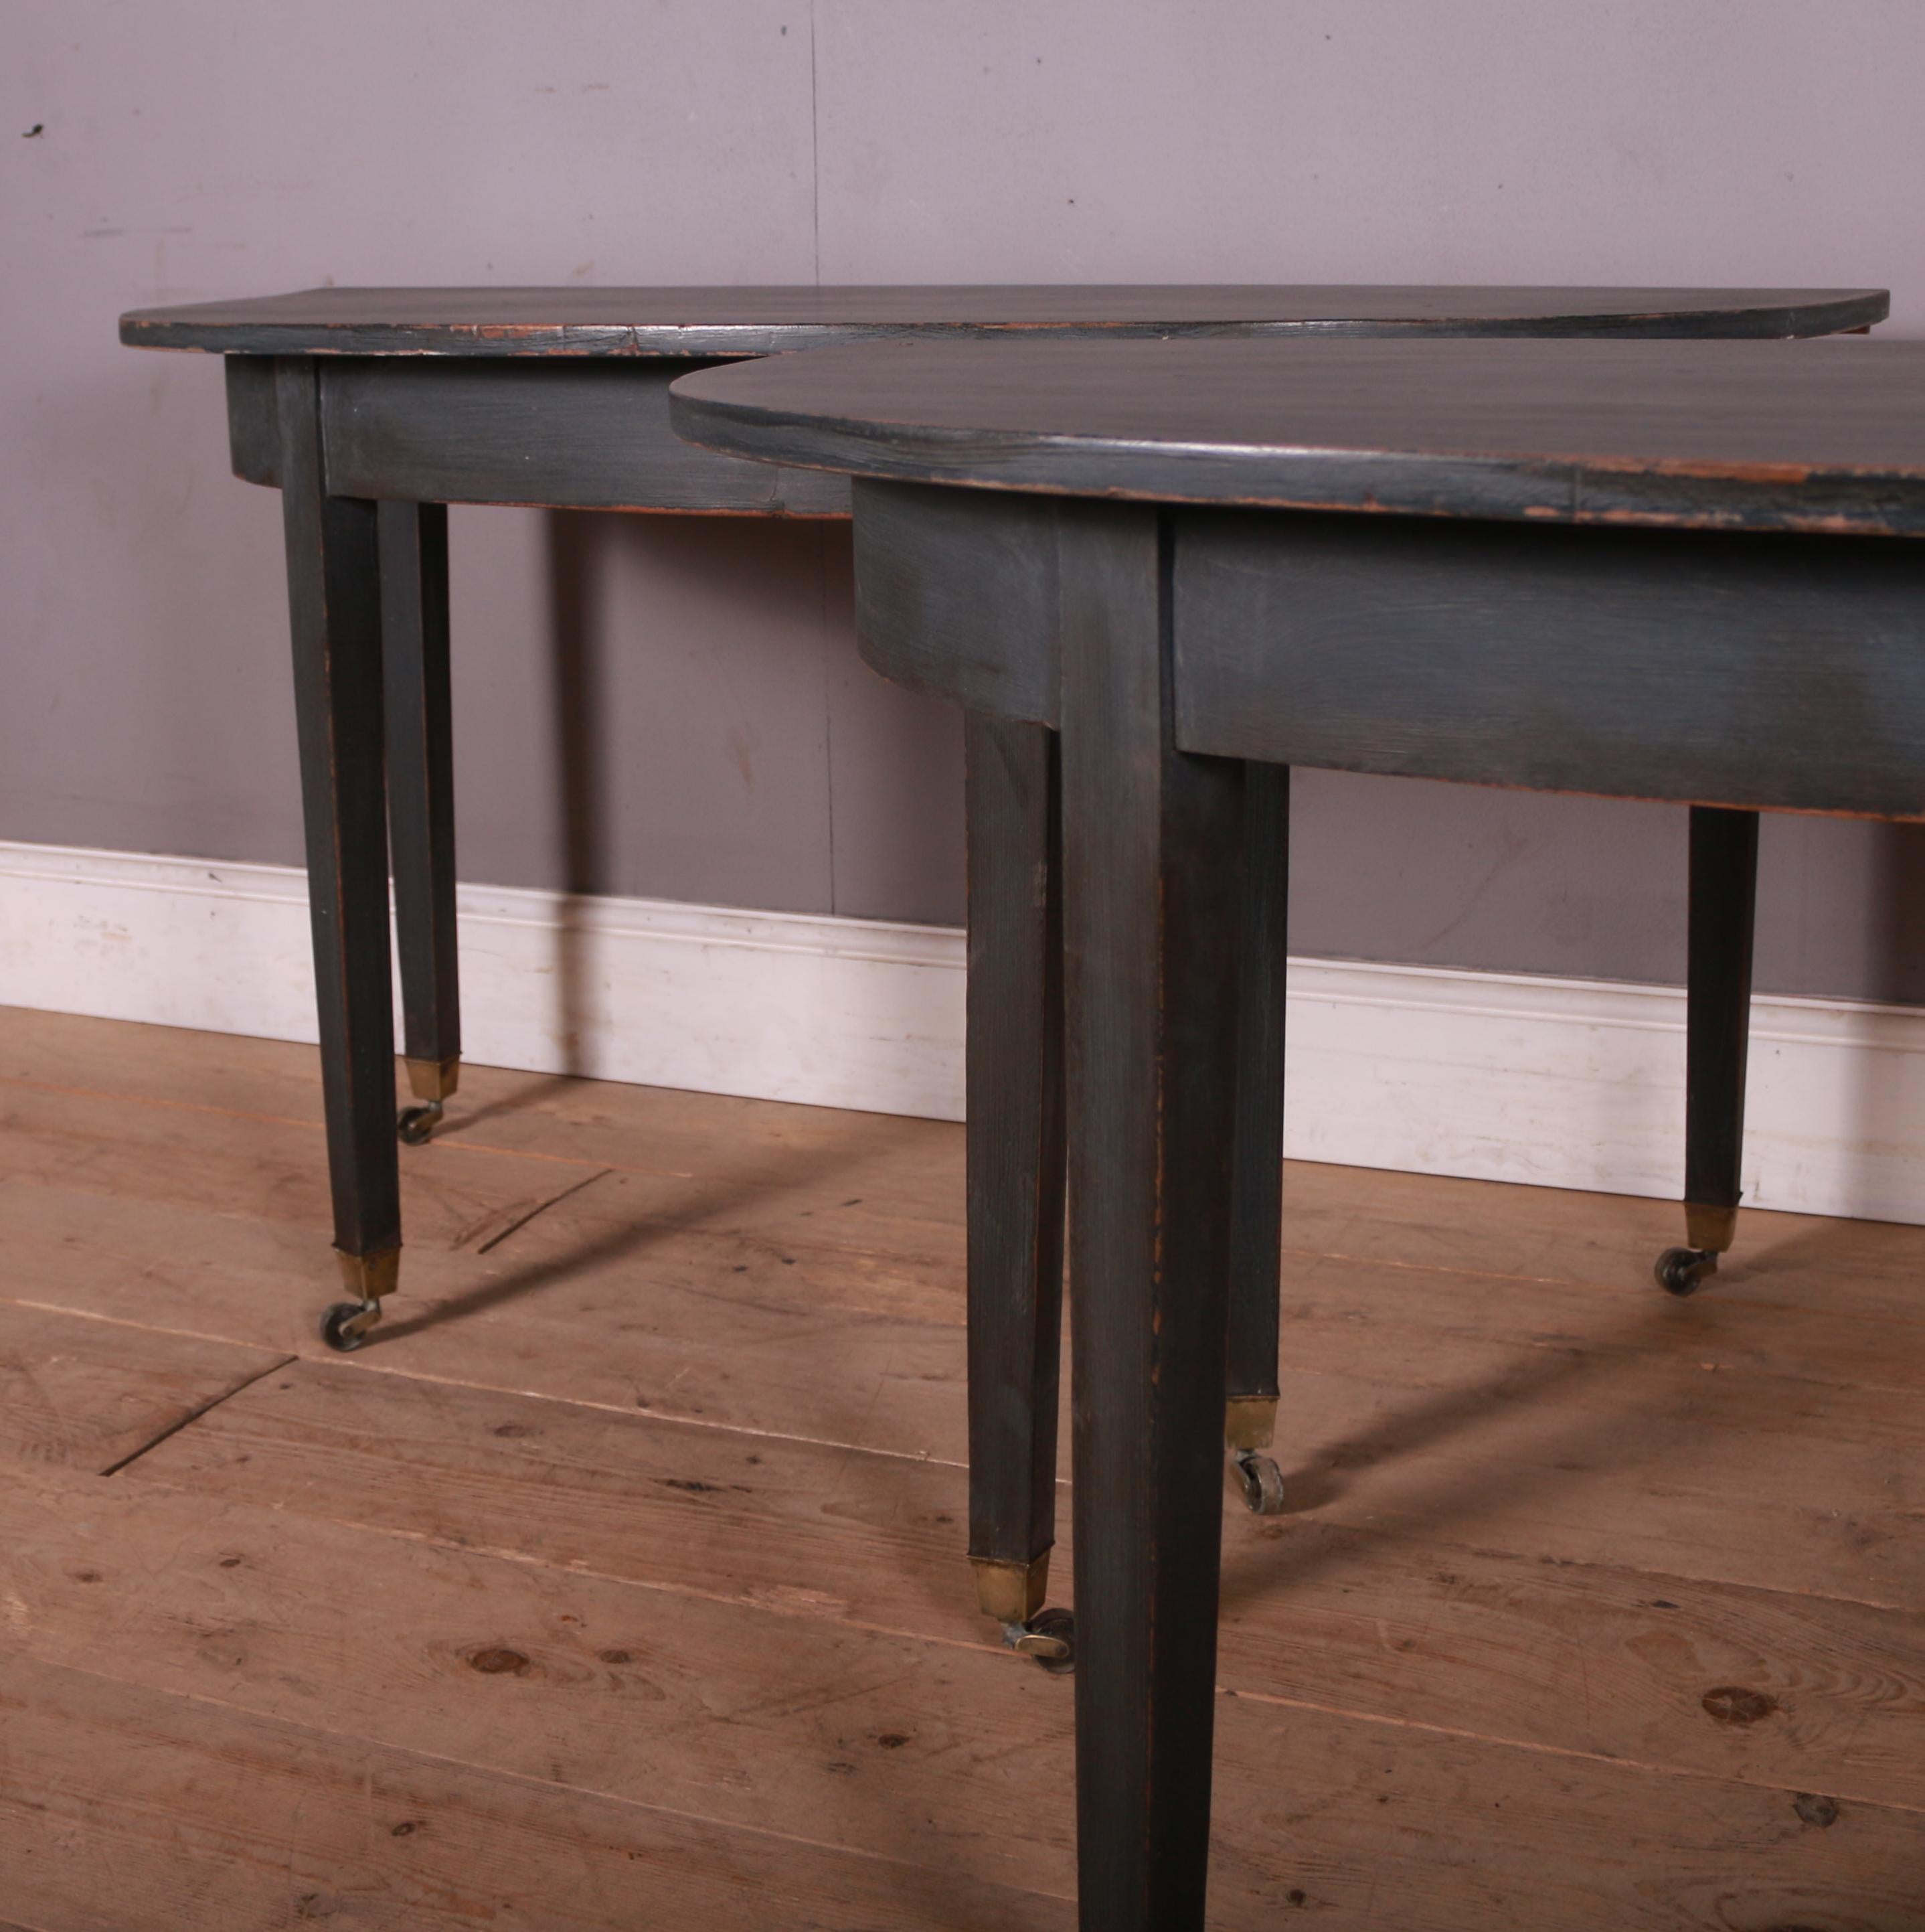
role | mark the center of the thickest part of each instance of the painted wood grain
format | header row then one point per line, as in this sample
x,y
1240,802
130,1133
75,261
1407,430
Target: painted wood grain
x,y
562,432
1745,669
1701,435
681,322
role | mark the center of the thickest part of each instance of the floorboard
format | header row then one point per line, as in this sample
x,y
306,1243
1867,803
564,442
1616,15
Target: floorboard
x,y
267,1168
639,1323
952,1759
143,1812
1417,1221
619,1582
88,1395
1534,1463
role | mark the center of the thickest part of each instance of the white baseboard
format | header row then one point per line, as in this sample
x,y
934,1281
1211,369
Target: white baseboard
x,y
838,1013
1566,1083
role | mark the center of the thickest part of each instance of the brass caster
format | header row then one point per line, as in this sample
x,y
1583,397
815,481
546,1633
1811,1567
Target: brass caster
x,y
417,1123
345,1326
1685,1270
1049,1636
1262,1481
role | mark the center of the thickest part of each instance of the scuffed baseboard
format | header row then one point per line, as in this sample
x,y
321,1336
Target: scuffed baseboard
x,y
1566,1083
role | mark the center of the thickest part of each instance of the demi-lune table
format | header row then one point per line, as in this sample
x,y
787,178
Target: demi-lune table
x,y
372,409
1675,571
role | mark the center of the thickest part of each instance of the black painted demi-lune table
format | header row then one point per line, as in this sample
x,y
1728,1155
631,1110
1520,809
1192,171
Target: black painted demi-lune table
x,y
372,409
1682,571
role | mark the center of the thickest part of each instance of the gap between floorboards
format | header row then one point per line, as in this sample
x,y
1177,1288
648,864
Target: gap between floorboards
x,y
194,1415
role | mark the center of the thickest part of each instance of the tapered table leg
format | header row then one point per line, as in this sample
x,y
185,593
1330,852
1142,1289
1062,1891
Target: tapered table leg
x,y
1151,848
333,601
1257,1203
420,786
1015,1166
1724,898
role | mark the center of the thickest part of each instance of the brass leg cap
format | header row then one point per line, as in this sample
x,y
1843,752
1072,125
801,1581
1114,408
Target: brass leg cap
x,y
1249,1422
1714,1229
434,1080
368,1277
1010,1592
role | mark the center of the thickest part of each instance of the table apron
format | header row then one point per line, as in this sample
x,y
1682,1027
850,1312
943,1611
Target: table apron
x,y
956,594
588,434
1777,671
1783,672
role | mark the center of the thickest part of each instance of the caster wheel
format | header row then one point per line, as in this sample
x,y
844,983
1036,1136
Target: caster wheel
x,y
345,1326
1262,1481
1684,1270
417,1123
1049,1636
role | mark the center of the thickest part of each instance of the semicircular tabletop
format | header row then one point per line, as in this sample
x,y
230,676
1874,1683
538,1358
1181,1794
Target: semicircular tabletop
x,y
1827,436
711,322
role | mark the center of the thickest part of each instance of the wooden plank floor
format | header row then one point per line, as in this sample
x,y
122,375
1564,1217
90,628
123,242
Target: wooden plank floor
x,y
618,1584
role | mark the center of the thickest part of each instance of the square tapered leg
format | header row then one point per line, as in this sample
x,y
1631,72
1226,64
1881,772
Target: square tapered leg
x,y
1152,889
421,801
1724,899
1015,1159
333,599
1257,1202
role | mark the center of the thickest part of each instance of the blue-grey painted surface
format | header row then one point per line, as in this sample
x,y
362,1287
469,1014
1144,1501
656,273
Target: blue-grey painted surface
x,y
737,750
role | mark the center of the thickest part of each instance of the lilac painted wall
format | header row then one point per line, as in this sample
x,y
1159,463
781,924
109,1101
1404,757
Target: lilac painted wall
x,y
736,750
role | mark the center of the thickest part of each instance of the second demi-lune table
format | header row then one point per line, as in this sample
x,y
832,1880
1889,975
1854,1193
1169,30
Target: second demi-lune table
x,y
372,409
1686,571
